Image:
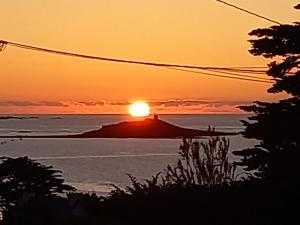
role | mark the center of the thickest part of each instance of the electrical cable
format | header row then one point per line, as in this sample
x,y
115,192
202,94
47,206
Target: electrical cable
x,y
249,12
223,76
232,71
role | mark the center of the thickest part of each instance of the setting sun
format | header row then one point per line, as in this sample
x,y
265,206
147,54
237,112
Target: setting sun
x,y
139,109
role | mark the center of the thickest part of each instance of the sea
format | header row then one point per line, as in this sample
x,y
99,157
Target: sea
x,y
93,165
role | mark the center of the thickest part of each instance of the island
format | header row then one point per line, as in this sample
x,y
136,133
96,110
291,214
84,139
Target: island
x,y
18,117
147,128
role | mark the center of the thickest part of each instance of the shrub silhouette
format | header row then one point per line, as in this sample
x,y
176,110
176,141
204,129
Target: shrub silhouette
x,y
202,190
203,163
208,167
22,179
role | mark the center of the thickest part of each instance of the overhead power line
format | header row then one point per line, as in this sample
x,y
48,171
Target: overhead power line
x,y
224,76
40,49
238,74
249,12
225,71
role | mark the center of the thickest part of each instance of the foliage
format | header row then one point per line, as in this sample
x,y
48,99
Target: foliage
x,y
276,124
210,167
163,200
201,164
23,178
89,202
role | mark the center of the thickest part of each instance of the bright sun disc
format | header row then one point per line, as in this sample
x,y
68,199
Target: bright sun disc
x,y
139,109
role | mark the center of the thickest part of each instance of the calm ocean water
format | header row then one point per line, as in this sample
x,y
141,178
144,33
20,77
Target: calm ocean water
x,y
95,164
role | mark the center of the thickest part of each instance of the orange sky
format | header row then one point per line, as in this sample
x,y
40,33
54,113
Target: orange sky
x,y
203,33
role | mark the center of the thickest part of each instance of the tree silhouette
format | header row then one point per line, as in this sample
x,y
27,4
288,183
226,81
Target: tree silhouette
x,y
23,178
276,124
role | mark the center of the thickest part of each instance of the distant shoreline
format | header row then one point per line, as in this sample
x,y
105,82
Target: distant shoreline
x,y
14,117
118,114
79,137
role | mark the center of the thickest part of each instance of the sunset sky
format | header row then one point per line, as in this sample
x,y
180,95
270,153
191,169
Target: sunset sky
x,y
196,32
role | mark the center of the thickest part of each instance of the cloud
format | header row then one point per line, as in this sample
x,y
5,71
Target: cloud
x,y
194,103
91,103
187,105
33,103
10,103
173,103
119,103
168,105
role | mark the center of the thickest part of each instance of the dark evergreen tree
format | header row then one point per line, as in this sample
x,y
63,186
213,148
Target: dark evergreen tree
x,y
276,124
22,179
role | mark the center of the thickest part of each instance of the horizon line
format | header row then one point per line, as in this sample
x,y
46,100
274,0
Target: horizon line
x,y
125,114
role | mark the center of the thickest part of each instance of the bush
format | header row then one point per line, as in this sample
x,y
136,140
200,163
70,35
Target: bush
x,y
203,163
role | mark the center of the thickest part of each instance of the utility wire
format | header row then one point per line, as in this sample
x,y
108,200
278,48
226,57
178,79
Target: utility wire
x,y
232,70
239,75
220,75
34,48
249,12
241,71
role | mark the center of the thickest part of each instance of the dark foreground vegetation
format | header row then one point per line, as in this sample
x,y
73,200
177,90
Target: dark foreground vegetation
x,y
203,187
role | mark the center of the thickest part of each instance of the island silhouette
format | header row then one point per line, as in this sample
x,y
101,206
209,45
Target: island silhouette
x,y
147,128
